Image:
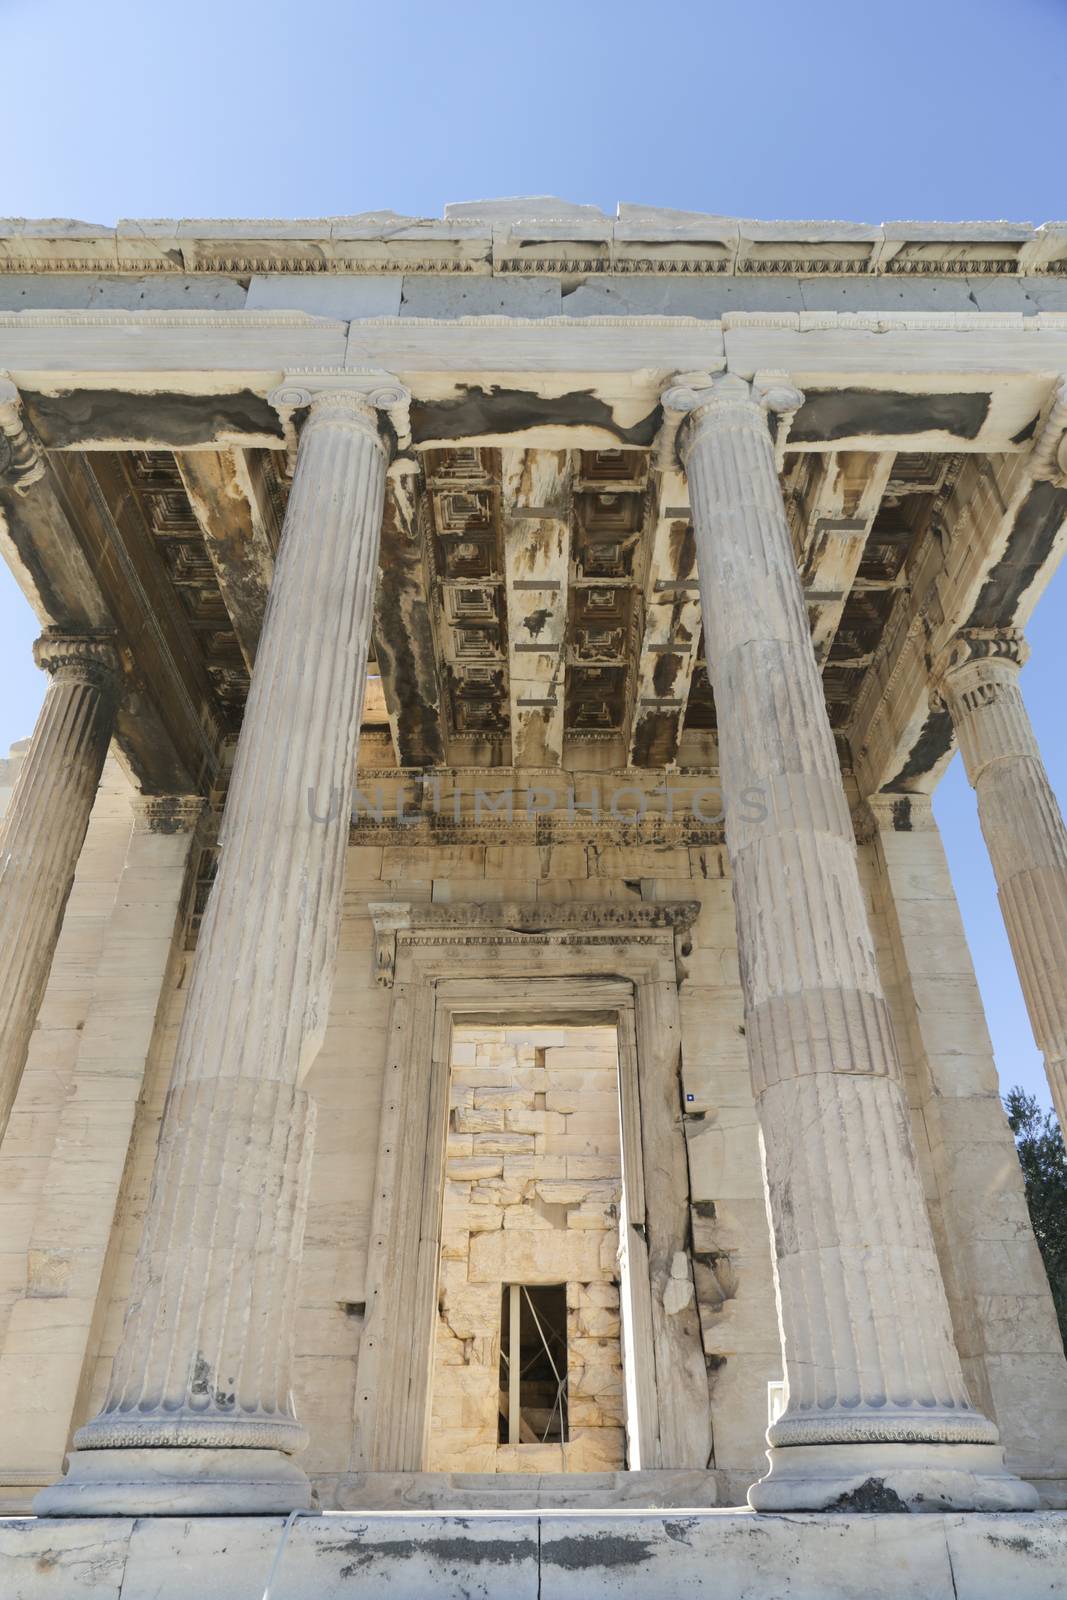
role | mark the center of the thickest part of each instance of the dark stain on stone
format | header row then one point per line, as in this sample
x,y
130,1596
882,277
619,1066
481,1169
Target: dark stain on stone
x,y
454,1553
902,814
1027,432
655,742
682,550
535,622
201,1380
1036,526
704,1208
85,416
678,1531
872,1495
665,673
575,1553
847,413
934,741
1019,1544
405,652
169,814
497,410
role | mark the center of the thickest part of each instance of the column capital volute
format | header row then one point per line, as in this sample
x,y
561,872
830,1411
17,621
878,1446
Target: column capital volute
x,y
693,400
89,658
973,654
21,459
347,394
1048,458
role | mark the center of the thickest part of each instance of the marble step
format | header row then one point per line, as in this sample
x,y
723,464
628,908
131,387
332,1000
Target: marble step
x,y
711,1555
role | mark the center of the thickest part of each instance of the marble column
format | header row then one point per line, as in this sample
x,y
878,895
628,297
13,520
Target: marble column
x,y
878,1417
52,1326
199,1417
43,831
978,679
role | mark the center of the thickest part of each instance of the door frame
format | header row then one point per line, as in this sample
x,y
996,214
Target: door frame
x,y
529,962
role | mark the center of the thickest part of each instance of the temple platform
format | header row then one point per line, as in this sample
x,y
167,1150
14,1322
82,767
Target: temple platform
x,y
578,1555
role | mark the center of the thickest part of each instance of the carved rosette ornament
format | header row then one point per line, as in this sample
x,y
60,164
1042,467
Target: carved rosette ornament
x,y
41,836
199,1417
875,1389
977,678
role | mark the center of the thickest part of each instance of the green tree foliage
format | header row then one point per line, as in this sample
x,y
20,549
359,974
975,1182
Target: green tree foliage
x,y
1041,1154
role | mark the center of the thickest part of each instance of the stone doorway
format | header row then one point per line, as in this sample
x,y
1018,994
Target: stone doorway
x,y
529,1257
516,965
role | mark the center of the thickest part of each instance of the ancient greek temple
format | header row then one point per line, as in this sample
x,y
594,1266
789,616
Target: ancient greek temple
x,y
494,1090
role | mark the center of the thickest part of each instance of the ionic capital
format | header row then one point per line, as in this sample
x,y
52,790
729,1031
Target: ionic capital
x,y
974,655
21,460
696,401
89,658
353,395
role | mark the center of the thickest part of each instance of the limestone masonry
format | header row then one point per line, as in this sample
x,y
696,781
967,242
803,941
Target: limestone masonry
x,y
485,1022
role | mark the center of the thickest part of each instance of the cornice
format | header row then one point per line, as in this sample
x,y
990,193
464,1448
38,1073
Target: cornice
x,y
730,321
523,240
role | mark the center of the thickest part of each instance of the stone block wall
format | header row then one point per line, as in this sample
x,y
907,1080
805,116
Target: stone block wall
x,y
991,1286
533,1182
54,1185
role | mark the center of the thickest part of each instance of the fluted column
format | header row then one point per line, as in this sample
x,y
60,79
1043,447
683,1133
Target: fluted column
x,y
199,1416
43,831
878,1417
978,679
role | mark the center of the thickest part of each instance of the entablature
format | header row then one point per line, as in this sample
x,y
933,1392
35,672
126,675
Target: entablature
x,y
538,603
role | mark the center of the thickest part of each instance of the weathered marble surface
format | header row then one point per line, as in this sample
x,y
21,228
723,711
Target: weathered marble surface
x,y
1021,823
220,1254
731,1555
871,1368
44,828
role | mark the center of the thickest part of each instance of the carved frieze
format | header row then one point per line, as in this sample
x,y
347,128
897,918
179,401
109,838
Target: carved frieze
x,y
533,923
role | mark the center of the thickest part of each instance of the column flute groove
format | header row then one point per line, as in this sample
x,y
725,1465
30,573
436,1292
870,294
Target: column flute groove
x,y
877,1414
977,678
43,831
199,1415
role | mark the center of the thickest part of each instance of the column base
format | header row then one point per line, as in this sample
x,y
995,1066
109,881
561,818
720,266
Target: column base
x,y
176,1482
890,1477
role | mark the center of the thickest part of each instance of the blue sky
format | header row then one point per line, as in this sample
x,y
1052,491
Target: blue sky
x,y
915,109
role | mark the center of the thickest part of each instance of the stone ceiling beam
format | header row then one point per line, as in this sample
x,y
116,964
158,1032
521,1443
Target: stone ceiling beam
x,y
1004,532
839,515
671,634
168,690
536,519
39,539
403,632
237,531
